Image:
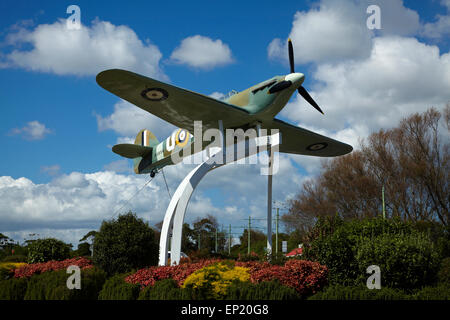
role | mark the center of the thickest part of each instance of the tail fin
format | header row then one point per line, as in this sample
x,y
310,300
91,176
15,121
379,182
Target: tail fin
x,y
143,145
146,138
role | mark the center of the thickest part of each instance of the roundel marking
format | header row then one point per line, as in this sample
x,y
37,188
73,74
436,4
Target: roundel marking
x,y
182,137
154,94
317,146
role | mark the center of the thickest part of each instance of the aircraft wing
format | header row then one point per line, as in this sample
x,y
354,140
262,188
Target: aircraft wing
x,y
297,140
177,106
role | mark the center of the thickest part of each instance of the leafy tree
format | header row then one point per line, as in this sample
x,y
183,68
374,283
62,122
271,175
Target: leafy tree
x,y
410,161
125,244
83,249
204,231
43,250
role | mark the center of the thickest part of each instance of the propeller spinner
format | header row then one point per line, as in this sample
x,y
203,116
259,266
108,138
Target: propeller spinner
x,y
301,90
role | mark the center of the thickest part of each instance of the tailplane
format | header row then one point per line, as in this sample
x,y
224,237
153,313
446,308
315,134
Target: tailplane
x,y
143,145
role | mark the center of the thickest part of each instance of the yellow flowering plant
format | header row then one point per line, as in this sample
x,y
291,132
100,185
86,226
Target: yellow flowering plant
x,y
212,282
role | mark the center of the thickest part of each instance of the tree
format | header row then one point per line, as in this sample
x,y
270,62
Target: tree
x,y
204,231
42,250
410,161
124,244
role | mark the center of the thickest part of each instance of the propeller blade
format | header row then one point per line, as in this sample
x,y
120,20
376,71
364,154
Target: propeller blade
x,y
291,55
308,98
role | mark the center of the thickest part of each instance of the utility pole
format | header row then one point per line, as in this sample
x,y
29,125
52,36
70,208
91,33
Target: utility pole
x,y
384,208
248,244
229,239
276,230
216,241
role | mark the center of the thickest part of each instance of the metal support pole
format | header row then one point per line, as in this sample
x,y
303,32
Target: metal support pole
x,y
269,203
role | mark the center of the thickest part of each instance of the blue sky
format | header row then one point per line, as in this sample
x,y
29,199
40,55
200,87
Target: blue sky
x,y
58,174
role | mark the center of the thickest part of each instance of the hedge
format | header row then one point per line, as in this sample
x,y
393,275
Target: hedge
x,y
266,290
13,289
166,289
115,288
340,292
53,286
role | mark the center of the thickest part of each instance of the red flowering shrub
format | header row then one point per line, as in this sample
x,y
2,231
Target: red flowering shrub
x,y
148,276
28,270
304,276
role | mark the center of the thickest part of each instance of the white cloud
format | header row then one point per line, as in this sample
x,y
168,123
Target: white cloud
x,y
34,130
401,76
334,31
57,49
119,166
127,120
202,52
217,95
79,201
440,28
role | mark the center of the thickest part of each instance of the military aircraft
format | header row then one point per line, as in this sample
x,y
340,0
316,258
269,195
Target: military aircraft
x,y
258,104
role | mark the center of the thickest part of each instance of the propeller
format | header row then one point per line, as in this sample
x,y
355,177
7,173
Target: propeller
x,y
301,90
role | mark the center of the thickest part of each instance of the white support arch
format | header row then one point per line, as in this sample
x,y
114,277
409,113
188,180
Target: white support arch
x,y
175,213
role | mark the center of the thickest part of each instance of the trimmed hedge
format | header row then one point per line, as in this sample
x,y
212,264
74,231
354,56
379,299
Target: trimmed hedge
x,y
340,292
266,290
444,272
441,292
13,289
166,289
115,288
53,286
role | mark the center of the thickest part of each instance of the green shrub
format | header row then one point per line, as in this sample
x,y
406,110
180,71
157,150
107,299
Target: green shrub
x,y
43,250
115,288
13,289
266,290
52,285
125,244
444,272
440,292
406,261
407,257
166,289
340,292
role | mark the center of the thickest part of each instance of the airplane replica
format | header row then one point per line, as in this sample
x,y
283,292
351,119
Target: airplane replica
x,y
255,107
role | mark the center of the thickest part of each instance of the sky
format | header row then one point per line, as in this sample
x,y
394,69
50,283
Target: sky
x,y
58,175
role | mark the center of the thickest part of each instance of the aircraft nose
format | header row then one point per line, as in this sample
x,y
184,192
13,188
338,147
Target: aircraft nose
x,y
296,78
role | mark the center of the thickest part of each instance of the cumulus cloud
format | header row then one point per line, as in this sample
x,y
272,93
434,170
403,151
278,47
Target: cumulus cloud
x,y
441,27
333,31
33,130
80,201
127,120
56,49
401,76
202,52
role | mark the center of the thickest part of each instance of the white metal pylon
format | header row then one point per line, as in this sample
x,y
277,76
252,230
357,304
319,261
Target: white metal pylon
x,y
174,217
